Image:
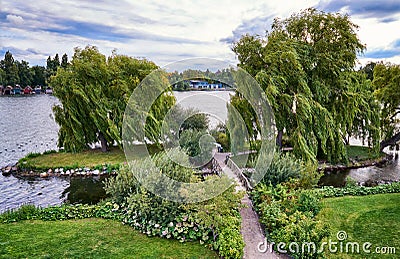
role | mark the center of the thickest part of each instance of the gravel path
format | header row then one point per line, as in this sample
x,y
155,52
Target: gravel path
x,y
251,228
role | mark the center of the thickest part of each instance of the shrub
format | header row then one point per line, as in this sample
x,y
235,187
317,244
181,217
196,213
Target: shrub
x,y
329,191
289,215
215,222
63,212
282,168
309,202
230,242
301,229
171,165
24,212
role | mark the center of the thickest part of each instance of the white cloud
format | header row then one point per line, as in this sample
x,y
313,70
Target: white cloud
x,y
15,19
163,31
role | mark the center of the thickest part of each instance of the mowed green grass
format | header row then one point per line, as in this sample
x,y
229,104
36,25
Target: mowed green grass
x,y
362,153
89,238
87,158
373,218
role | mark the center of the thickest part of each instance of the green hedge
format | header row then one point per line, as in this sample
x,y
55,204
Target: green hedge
x,y
289,215
329,191
79,211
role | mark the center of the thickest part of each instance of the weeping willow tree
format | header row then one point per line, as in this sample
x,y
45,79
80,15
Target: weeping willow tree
x,y
93,91
305,65
386,81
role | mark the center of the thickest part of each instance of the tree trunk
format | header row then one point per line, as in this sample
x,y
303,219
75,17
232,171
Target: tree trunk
x,y
279,139
103,141
390,142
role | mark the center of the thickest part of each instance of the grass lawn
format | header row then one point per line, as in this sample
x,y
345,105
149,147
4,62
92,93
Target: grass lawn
x,y
361,153
373,218
87,158
89,238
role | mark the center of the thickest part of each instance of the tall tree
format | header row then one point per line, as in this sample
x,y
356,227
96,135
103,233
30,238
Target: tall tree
x,y
2,76
306,67
64,61
38,75
24,73
368,69
56,61
387,91
52,66
94,91
10,69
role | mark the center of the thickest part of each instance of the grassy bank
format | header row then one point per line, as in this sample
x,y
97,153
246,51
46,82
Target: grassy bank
x,y
355,153
89,238
372,218
88,158
361,153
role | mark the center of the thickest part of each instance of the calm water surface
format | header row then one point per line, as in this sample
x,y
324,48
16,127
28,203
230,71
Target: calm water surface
x,y
27,125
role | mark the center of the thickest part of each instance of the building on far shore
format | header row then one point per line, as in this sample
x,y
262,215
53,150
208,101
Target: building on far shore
x,y
16,90
38,89
201,84
28,90
8,90
49,90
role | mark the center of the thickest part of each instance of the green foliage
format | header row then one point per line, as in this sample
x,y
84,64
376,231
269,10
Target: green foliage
x,y
25,212
13,72
63,212
285,167
10,68
32,155
386,83
289,215
197,121
230,242
24,73
221,136
354,190
350,182
198,145
215,222
94,92
282,168
305,65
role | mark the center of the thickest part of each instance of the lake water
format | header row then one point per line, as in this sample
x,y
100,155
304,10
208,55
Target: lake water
x,y
27,125
212,103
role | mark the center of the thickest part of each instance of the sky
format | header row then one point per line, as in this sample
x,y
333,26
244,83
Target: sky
x,y
169,31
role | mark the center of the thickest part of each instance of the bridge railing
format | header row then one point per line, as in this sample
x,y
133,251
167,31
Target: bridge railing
x,y
239,173
216,168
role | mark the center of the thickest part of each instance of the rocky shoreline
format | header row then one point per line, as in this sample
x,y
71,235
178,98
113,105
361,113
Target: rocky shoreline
x,y
58,172
85,171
